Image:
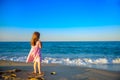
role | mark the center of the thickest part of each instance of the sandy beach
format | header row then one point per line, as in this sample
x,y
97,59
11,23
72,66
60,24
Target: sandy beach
x,y
62,72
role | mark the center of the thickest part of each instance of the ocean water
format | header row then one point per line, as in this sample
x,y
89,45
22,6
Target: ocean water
x,y
91,53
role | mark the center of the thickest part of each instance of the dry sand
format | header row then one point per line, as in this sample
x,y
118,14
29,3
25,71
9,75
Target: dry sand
x,y
22,71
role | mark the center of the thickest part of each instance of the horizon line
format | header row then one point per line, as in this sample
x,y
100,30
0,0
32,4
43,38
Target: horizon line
x,y
71,41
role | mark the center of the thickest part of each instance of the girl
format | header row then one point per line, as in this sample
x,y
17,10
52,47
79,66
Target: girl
x,y
35,52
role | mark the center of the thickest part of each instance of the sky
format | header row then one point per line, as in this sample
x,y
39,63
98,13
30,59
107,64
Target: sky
x,y
60,20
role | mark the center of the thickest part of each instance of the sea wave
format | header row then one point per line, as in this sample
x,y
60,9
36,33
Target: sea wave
x,y
81,61
67,61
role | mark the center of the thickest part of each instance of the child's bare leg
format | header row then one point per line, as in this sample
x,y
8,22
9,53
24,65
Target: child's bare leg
x,y
39,67
34,66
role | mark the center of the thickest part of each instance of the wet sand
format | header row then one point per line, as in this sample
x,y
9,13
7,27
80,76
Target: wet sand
x,y
23,71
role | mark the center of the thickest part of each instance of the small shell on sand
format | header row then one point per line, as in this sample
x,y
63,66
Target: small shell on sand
x,y
53,73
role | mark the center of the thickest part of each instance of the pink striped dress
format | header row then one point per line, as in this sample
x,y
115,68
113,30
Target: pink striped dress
x,y
34,54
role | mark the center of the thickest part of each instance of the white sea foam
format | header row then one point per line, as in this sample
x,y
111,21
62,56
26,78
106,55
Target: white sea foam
x,y
117,60
80,61
68,61
100,61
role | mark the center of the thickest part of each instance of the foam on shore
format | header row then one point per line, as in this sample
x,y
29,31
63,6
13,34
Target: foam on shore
x,y
68,61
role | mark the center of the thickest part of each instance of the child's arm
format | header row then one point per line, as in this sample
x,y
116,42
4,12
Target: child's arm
x,y
39,44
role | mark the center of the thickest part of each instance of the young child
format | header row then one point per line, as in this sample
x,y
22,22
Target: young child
x,y
35,52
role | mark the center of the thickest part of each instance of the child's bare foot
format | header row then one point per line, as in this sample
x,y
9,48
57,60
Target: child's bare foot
x,y
41,73
34,72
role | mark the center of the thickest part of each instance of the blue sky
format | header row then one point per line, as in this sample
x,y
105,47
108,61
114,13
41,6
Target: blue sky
x,y
60,20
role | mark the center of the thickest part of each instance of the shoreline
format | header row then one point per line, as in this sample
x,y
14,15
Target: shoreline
x,y
106,67
63,72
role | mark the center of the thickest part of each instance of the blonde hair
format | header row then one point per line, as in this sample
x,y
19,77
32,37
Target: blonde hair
x,y
35,38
